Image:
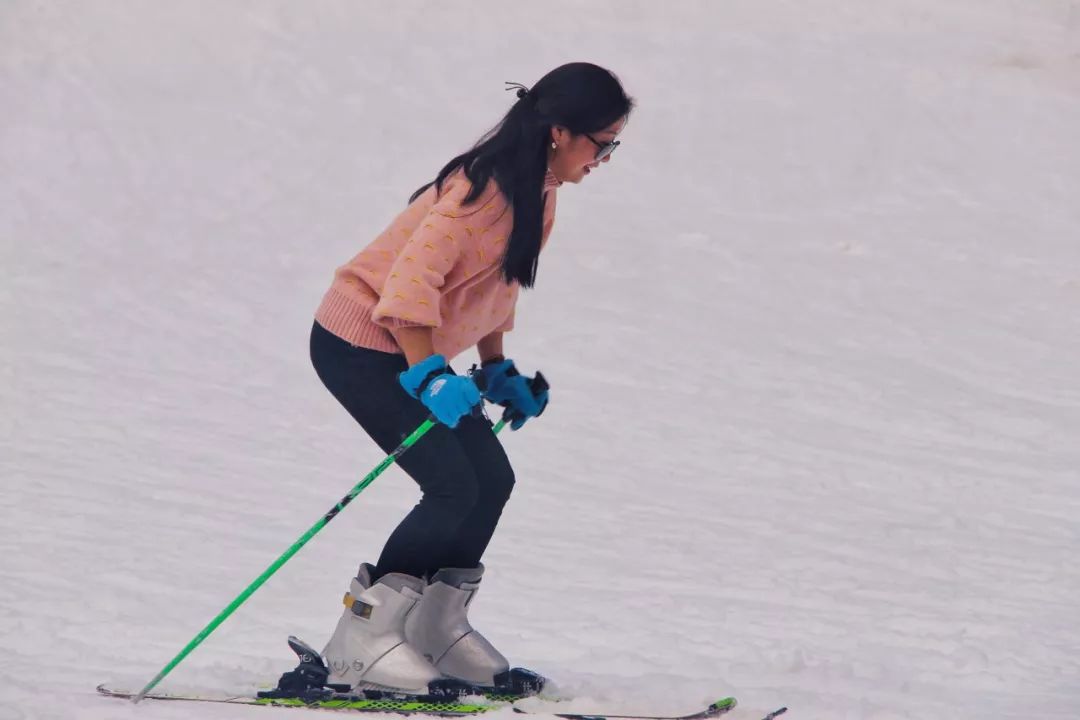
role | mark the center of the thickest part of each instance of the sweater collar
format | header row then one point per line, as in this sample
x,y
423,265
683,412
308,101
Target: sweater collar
x,y
550,181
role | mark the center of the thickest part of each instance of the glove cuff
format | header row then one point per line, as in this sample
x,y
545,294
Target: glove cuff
x,y
416,379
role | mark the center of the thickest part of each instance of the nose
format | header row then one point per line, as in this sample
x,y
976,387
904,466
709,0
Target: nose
x,y
607,159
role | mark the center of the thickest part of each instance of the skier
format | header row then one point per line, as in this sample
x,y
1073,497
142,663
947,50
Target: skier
x,y
443,277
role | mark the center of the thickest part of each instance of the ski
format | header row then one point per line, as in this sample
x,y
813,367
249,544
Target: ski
x,y
333,701
718,708
417,706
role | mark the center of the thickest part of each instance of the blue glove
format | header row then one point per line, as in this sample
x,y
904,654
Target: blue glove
x,y
449,397
504,385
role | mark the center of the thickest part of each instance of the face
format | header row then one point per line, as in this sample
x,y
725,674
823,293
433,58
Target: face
x,y
575,156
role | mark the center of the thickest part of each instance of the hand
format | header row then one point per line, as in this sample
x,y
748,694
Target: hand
x,y
523,397
449,397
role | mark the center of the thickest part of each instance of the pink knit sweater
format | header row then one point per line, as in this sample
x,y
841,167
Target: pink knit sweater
x,y
437,265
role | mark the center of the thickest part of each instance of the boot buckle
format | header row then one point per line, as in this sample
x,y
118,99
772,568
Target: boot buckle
x,y
358,607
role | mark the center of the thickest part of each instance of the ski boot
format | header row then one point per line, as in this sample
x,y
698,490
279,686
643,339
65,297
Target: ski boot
x,y
439,628
368,652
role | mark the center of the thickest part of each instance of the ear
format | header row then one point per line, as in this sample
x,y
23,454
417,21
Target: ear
x,y
559,134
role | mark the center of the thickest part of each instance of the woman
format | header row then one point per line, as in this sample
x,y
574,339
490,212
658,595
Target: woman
x,y
444,276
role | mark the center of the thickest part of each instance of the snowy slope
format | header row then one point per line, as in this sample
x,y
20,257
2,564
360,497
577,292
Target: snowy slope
x,y
813,337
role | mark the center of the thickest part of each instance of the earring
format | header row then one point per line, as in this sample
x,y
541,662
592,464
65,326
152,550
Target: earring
x,y
553,145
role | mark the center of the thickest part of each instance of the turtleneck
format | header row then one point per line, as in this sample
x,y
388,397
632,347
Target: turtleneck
x,y
550,181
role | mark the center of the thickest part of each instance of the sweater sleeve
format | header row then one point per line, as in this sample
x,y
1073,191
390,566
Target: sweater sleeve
x,y
508,324
411,296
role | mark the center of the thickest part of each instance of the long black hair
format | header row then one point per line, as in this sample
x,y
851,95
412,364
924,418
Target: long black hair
x,y
581,97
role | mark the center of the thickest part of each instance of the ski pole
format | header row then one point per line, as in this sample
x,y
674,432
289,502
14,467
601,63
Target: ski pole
x,y
408,442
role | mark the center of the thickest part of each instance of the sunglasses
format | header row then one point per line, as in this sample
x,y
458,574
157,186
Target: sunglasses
x,y
604,149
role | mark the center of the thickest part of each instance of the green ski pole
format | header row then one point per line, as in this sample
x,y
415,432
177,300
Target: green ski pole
x,y
276,565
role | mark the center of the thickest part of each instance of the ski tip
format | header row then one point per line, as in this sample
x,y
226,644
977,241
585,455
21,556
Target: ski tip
x,y
719,707
104,689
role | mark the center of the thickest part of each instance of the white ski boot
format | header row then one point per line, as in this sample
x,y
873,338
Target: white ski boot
x,y
368,649
439,628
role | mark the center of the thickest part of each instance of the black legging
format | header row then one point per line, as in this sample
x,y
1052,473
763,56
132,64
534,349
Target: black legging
x,y
463,472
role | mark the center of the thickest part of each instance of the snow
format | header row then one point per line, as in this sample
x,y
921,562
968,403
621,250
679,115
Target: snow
x,y
812,336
